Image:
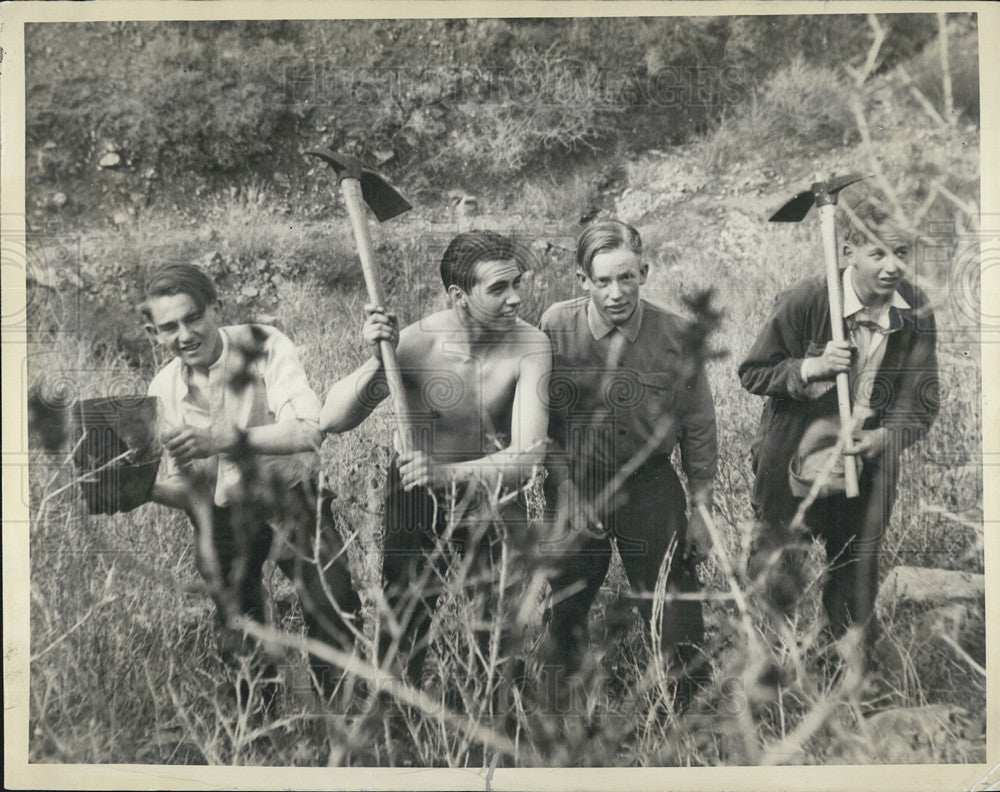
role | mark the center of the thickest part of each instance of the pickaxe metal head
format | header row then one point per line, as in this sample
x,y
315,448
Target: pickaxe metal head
x,y
821,193
382,198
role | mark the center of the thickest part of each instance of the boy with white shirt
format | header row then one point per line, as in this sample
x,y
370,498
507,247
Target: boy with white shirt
x,y
892,367
241,437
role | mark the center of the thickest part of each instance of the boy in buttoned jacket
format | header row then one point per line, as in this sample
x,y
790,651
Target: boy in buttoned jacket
x,y
892,367
624,393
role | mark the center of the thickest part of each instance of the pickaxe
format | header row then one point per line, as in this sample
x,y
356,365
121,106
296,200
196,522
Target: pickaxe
x,y
360,186
824,195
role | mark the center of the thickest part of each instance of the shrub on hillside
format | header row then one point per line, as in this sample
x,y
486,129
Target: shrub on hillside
x,y
800,107
162,94
963,63
759,45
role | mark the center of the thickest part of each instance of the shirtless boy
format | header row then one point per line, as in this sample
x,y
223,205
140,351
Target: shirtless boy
x,y
475,378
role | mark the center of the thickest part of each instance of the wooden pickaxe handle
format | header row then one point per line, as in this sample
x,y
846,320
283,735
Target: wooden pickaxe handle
x,y
350,188
833,285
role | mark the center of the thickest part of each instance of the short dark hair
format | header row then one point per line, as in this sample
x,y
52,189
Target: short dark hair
x,y
458,264
602,236
171,279
877,217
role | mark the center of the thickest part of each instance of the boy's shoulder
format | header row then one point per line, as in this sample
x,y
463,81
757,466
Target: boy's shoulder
x,y
163,381
422,333
803,290
252,333
914,295
565,310
527,337
661,314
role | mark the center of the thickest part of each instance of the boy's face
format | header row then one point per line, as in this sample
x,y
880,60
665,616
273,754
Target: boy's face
x,y
189,332
878,269
613,283
495,298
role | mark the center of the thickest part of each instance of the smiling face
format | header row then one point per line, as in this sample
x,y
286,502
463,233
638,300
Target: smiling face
x,y
877,270
190,332
495,298
613,283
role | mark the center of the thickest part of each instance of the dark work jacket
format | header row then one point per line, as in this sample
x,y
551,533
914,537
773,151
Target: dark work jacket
x,y
904,395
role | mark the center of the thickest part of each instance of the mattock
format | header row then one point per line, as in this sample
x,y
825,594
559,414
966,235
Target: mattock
x,y
824,195
359,187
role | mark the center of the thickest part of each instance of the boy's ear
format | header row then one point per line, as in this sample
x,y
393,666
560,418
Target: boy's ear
x,y
847,251
456,294
643,273
150,329
584,280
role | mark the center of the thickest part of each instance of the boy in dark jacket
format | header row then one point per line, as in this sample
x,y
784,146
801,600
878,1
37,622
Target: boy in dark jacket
x,y
892,367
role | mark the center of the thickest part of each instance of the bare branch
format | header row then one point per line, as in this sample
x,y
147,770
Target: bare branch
x,y
878,36
379,681
949,102
921,98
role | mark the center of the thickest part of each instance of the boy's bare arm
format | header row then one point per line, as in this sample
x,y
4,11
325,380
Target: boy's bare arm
x,y
352,399
287,437
171,492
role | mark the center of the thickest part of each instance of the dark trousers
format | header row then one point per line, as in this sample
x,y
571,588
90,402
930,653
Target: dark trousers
x,y
852,531
242,538
414,565
646,516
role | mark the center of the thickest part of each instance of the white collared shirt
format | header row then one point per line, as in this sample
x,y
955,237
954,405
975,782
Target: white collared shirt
x,y
870,344
279,391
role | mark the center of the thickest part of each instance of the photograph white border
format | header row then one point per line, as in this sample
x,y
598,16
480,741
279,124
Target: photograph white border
x,y
18,773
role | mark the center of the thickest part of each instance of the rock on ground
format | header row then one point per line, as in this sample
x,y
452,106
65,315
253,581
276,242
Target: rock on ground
x,y
915,734
933,641
923,586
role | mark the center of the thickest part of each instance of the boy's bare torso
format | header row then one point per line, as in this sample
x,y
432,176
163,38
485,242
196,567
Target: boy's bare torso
x,y
461,391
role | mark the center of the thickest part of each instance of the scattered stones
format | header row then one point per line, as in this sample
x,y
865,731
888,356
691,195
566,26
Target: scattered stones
x,y
384,156
467,206
266,319
119,218
72,278
962,622
110,160
49,145
211,261
150,174
936,620
58,200
906,733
